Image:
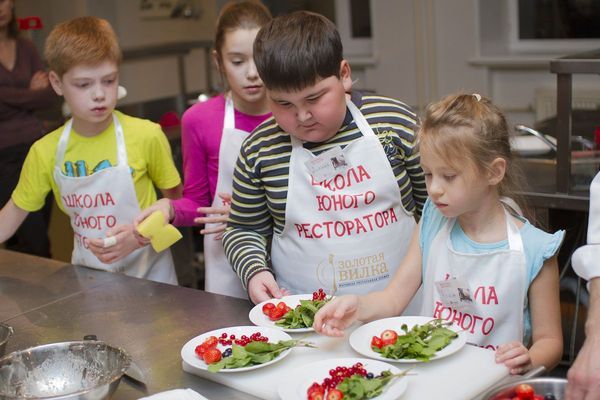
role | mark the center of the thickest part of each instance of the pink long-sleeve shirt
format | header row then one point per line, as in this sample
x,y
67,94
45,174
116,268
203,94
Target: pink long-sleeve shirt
x,y
201,131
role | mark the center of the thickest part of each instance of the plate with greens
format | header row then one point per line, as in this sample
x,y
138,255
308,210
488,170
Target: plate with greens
x,y
238,348
293,313
408,339
383,382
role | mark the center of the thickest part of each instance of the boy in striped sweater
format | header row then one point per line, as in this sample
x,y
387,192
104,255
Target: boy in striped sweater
x,y
325,192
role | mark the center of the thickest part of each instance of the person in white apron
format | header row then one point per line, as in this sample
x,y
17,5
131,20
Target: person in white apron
x,y
503,271
219,277
359,263
112,202
472,278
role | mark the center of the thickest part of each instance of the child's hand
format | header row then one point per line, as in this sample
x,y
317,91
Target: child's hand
x,y
39,81
336,315
217,215
124,242
163,205
515,356
263,287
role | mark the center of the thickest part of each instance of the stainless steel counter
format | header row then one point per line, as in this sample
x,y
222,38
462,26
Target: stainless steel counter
x,y
47,301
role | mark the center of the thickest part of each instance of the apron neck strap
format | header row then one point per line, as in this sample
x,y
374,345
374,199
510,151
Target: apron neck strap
x,y
66,133
515,242
229,121
359,119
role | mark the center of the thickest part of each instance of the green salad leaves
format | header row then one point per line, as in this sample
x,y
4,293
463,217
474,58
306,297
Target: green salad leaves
x,y
419,343
255,353
303,315
358,387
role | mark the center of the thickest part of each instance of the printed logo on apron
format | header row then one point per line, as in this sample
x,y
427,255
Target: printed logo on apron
x,y
103,200
219,275
347,233
497,283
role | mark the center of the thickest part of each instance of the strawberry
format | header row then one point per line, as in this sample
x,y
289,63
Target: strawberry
x,y
315,392
388,337
376,342
276,313
212,341
281,305
212,356
200,350
267,307
524,391
334,394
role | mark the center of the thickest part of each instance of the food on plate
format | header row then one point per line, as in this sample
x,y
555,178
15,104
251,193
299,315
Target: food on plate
x,y
244,351
524,391
352,382
421,342
302,316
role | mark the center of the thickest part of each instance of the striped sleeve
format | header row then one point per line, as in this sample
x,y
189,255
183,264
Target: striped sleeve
x,y
260,182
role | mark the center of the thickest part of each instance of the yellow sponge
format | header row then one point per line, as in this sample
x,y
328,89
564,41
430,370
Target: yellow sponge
x,y
161,235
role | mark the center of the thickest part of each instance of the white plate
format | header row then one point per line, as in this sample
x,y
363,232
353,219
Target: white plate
x,y
188,353
295,386
360,339
257,317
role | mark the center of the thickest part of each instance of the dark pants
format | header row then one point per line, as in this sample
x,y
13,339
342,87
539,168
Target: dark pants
x,y
32,236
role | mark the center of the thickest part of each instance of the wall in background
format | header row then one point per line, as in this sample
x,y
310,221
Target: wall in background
x,y
147,79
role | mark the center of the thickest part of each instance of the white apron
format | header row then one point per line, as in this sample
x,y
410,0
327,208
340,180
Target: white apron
x,y
346,234
219,276
95,203
497,286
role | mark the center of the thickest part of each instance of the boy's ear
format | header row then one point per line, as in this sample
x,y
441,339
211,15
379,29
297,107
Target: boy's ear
x,y
497,171
55,82
346,75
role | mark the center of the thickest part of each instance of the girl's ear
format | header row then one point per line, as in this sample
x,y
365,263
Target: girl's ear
x,y
215,58
497,171
55,82
346,75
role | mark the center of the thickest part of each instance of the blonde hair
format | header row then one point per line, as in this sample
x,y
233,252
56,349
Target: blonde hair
x,y
468,126
84,40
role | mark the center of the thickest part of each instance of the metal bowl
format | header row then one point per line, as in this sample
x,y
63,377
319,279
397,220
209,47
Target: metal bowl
x,y
542,386
5,333
86,370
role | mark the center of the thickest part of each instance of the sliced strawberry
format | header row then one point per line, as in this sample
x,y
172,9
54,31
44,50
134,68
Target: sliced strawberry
x,y
376,342
276,314
281,305
334,394
212,341
212,356
388,337
267,307
524,392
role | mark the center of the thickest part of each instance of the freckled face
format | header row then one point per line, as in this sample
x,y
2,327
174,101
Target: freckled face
x,y
91,93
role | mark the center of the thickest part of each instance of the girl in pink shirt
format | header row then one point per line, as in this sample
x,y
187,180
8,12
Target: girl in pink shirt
x,y
212,133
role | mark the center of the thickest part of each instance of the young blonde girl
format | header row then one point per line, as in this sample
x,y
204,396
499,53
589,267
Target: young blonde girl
x,y
469,242
212,133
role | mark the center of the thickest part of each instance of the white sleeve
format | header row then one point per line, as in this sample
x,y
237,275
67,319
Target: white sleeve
x,y
586,259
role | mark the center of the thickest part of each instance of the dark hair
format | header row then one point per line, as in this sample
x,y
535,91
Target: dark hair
x,y
293,51
13,27
238,15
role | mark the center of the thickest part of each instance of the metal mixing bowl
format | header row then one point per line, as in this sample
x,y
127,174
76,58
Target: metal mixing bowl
x,y
5,334
542,386
86,370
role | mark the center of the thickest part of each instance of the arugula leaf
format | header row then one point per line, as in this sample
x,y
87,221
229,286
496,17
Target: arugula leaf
x,y
255,353
358,387
303,315
421,342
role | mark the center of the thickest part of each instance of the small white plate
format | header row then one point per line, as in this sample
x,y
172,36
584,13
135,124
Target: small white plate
x,y
188,353
296,384
360,339
257,317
